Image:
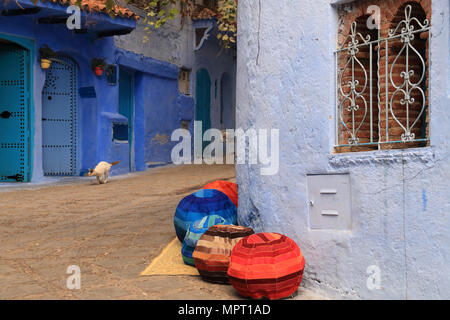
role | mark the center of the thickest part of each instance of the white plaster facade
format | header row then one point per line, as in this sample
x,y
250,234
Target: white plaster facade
x,y
400,199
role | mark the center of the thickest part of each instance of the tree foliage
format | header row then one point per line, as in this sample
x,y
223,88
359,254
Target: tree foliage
x,y
226,20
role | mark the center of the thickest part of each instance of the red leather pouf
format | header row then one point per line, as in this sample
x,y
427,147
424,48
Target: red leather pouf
x,y
229,188
266,265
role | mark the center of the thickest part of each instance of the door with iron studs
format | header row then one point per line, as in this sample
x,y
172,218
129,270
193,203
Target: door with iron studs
x,y
59,118
14,113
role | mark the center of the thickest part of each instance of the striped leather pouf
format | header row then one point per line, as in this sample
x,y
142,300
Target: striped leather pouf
x,y
200,204
195,231
229,188
212,254
266,265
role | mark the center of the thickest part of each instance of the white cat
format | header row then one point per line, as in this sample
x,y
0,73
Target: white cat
x,y
101,171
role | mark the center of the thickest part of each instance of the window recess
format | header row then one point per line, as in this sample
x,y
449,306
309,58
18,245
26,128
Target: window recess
x,y
382,83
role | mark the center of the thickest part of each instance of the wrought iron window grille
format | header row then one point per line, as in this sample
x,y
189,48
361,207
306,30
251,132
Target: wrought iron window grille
x,y
383,103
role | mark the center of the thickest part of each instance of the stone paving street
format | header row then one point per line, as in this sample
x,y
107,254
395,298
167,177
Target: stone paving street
x,y
112,232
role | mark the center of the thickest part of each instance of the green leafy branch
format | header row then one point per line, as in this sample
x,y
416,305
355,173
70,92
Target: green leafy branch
x,y
227,22
159,12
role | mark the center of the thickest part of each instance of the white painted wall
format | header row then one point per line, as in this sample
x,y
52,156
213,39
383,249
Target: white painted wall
x,y
400,198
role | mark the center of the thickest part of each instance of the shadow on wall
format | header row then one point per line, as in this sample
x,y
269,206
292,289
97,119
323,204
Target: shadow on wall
x,y
253,218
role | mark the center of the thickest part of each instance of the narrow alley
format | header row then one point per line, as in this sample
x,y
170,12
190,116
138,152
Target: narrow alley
x,y
111,231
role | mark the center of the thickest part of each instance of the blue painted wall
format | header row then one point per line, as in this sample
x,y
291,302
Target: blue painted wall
x,y
217,61
159,107
175,45
162,116
227,87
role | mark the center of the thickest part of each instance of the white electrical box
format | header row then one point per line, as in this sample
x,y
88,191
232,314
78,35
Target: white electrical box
x,y
329,202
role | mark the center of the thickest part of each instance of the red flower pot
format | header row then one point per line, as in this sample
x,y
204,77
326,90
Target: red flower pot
x,y
98,71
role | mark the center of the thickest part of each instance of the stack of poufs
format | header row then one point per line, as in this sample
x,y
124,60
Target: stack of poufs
x,y
203,203
195,231
213,251
266,265
258,265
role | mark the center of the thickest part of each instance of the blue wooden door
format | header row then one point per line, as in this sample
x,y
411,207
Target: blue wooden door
x,y
203,101
59,119
14,113
126,106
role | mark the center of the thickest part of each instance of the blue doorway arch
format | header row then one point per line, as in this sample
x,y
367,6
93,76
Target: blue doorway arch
x,y
227,105
203,101
60,118
15,105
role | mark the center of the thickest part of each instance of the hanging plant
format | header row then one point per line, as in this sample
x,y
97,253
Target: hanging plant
x,y
46,54
227,23
111,74
98,65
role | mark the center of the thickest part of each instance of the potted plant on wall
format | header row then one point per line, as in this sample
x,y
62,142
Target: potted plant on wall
x,y
98,65
46,54
111,74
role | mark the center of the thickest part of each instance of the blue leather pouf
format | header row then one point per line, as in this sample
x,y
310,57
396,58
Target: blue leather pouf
x,y
203,203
